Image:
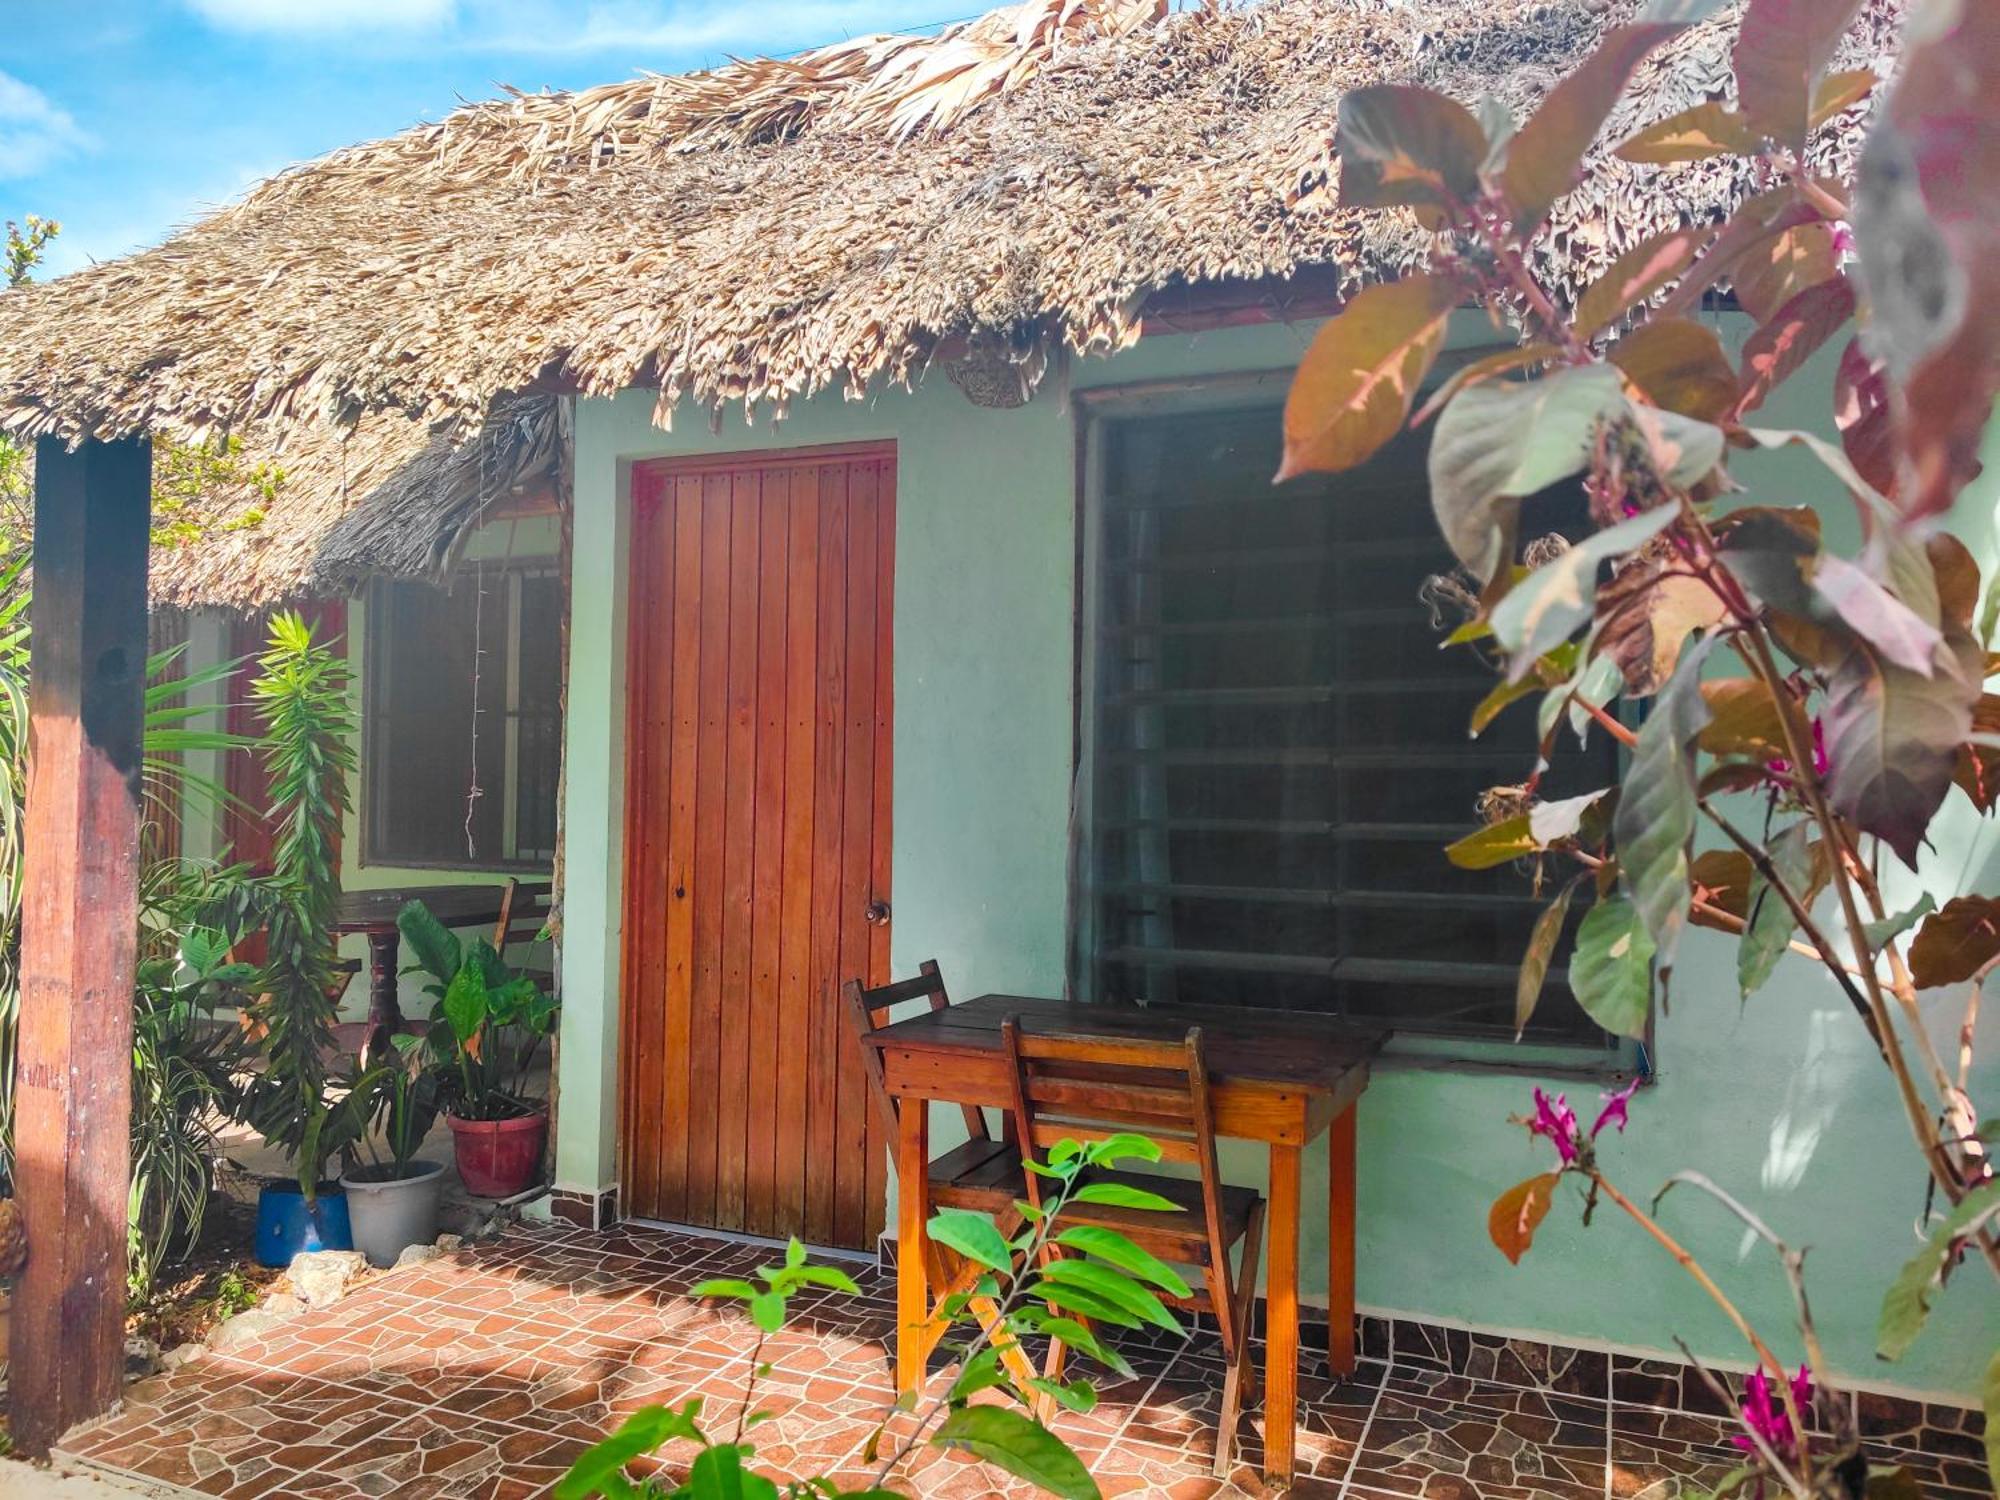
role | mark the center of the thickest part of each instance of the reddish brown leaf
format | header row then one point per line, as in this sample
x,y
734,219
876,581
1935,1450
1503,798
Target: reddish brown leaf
x,y
1839,91
1755,220
1635,276
1776,269
1403,145
1978,770
1861,411
1777,350
1957,577
1645,615
1678,364
1781,50
1517,1212
1956,941
1721,879
1743,719
1357,380
1693,135
1543,156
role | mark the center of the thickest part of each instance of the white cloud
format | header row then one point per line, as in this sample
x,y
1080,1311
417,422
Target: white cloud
x,y
34,130
323,16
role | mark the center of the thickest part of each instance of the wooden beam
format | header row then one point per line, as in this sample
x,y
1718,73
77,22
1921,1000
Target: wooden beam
x,y
79,934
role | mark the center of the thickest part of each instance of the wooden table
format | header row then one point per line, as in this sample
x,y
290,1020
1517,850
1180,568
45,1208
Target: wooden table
x,y
373,914
1276,1078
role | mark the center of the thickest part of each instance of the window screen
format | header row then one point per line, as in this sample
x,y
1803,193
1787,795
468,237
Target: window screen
x,y
462,690
1277,747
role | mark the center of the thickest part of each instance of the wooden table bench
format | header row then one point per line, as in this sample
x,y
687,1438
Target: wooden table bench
x,y
1277,1078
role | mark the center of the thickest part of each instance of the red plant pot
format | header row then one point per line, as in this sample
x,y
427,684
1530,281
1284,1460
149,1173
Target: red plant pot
x,y
499,1158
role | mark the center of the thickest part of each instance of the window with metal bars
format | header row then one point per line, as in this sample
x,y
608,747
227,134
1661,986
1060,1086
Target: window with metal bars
x,y
1276,746
461,692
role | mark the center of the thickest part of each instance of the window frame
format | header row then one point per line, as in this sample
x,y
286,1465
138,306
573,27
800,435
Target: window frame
x,y
374,648
1093,408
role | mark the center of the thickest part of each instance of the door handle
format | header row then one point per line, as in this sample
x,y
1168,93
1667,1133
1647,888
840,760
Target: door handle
x,y
877,914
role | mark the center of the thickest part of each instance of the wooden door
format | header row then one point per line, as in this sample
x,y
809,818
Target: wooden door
x,y
757,839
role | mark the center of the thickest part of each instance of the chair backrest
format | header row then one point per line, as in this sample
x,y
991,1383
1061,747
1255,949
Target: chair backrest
x,y
523,911
869,1009
1087,1088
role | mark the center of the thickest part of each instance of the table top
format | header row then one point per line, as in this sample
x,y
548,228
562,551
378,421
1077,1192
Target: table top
x,y
467,905
1304,1052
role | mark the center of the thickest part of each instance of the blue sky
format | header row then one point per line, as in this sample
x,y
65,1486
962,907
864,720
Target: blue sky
x,y
125,118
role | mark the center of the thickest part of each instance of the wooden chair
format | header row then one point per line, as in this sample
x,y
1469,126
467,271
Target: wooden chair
x,y
523,912
1087,1088
983,1175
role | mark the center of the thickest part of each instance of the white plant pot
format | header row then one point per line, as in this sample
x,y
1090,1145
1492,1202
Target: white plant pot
x,y
390,1216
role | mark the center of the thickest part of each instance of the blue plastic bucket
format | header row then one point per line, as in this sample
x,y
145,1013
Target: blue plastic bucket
x,y
286,1226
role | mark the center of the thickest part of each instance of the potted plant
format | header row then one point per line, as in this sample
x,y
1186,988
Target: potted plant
x,y
392,1199
302,694
487,1026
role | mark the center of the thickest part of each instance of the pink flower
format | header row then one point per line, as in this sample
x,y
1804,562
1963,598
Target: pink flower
x,y
1613,1112
1556,1120
1766,1416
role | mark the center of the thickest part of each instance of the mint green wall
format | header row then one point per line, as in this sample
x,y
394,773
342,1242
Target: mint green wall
x,y
1780,1101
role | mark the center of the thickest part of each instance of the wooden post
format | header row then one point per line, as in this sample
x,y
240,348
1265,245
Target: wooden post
x,y
79,933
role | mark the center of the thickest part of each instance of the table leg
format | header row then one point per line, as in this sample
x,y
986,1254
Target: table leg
x,y
1340,1245
1281,1346
385,1016
913,1159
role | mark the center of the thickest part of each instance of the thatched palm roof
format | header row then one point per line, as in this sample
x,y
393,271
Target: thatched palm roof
x,y
384,498
777,228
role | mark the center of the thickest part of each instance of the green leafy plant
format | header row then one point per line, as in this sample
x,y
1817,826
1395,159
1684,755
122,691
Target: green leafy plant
x,y
487,1023
184,1068
405,1108
1043,1280
302,695
1808,711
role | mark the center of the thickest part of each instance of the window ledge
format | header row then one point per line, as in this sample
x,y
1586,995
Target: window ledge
x,y
1415,1054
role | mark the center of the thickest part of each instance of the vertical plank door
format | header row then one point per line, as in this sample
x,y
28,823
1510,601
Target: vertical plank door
x,y
757,839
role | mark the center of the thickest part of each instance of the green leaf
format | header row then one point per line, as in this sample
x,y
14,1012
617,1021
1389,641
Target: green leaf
x,y
718,1474
1495,844
599,1470
767,1311
1123,1145
1907,1303
1078,1337
436,946
1403,145
1770,922
1892,927
1077,1395
1009,1440
1113,1286
1656,808
1084,1303
1503,440
1110,1245
981,1373
973,1236
1544,609
1543,157
737,1291
465,1003
1611,970
1361,372
1123,1195
1541,951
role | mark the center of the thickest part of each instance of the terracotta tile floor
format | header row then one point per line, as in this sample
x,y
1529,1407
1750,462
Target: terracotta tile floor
x,y
484,1374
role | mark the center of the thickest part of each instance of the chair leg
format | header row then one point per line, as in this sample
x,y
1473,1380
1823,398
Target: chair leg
x,y
1240,1380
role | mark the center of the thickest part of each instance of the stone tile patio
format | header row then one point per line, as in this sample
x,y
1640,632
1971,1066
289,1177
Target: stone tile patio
x,y
485,1373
